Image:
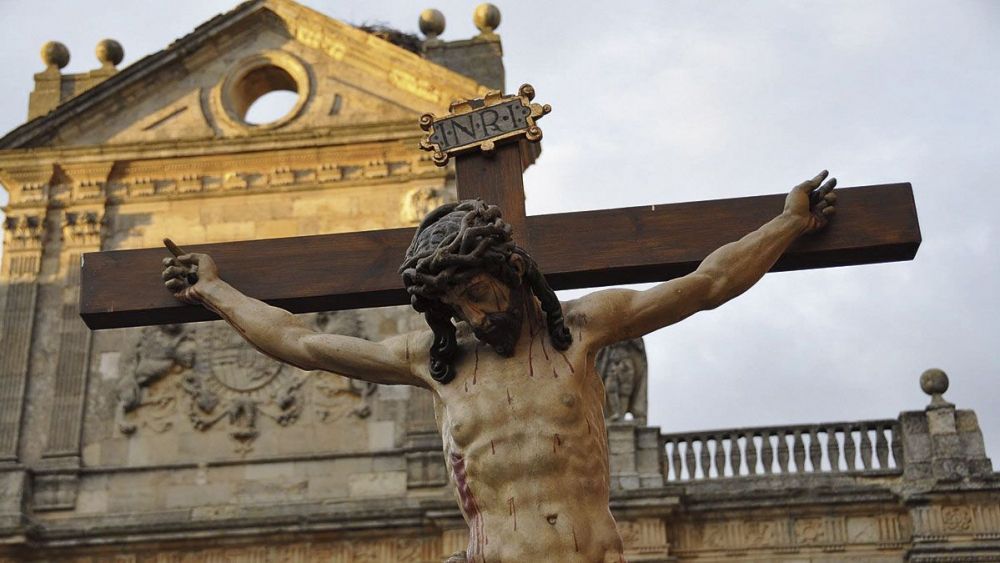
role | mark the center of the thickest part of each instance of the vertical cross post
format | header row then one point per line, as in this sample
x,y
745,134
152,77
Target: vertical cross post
x,y
495,177
485,135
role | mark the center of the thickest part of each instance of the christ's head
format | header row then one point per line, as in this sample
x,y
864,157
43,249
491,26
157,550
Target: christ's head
x,y
463,264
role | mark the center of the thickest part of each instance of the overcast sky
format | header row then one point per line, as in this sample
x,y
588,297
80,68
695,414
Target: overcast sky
x,y
659,102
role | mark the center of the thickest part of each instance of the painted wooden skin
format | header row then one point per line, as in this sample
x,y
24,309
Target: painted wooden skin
x,y
523,434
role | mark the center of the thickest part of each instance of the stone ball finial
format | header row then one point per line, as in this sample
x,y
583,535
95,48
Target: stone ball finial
x,y
431,23
934,382
486,17
55,54
109,52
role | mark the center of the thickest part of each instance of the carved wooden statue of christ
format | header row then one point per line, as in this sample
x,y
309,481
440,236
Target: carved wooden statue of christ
x,y
518,402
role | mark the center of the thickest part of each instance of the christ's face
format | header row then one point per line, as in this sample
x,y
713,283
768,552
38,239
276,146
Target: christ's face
x,y
492,308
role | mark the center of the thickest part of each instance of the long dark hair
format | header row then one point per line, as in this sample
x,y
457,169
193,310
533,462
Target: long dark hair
x,y
453,243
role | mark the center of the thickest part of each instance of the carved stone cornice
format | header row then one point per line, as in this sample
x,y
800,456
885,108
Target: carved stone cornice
x,y
404,131
26,181
296,170
81,181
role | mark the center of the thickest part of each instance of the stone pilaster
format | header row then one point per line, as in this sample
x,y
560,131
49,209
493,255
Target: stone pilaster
x,y
23,233
56,479
81,234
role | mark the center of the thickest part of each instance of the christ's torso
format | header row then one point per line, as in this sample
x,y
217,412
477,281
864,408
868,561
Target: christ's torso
x,y
525,442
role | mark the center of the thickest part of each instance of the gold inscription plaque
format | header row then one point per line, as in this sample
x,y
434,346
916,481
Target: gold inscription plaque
x,y
481,123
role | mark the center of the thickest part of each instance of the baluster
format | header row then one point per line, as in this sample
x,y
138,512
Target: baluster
x,y
735,454
881,447
704,459
767,452
689,459
833,448
815,453
896,446
675,459
751,454
799,451
866,448
850,449
720,455
783,466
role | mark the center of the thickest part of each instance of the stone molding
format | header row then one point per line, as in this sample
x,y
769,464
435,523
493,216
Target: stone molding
x,y
195,177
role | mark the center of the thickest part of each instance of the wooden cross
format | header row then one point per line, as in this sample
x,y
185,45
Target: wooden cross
x,y
573,250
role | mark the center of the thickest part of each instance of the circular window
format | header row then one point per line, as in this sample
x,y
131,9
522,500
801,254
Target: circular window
x,y
265,91
271,107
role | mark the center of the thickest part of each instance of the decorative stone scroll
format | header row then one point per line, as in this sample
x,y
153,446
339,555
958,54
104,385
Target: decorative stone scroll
x,y
481,123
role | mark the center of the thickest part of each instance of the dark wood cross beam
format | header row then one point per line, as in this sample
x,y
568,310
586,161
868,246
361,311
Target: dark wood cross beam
x,y
573,250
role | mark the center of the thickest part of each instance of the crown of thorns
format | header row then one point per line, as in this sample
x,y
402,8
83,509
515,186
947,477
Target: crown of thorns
x,y
453,242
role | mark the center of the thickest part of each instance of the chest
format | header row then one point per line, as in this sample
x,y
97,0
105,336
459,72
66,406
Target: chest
x,y
535,391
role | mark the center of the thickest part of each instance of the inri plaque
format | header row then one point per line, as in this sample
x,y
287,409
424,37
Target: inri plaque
x,y
481,123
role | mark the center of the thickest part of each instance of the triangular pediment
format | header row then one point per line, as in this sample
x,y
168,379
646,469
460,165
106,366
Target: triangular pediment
x,y
201,85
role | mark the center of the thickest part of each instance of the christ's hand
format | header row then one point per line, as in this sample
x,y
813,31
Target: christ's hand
x,y
186,274
812,202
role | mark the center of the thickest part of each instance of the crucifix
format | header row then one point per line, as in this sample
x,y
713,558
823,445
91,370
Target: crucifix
x,y
575,250
517,400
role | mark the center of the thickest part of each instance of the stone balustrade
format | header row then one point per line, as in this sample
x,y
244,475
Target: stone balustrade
x,y
865,447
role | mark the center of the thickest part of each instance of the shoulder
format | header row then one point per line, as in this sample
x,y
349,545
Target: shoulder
x,y
413,348
593,317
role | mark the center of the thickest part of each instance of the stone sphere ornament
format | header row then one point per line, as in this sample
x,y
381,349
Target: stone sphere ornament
x,y
934,382
431,23
109,52
486,17
55,54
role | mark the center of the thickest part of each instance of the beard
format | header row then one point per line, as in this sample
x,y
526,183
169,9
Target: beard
x,y
502,330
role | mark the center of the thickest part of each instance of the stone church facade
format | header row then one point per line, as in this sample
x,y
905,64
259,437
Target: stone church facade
x,y
181,443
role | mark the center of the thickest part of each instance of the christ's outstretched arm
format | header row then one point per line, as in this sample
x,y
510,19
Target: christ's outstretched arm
x,y
281,335
620,314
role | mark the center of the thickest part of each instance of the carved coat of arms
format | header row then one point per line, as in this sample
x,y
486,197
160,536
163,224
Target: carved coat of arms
x,y
209,373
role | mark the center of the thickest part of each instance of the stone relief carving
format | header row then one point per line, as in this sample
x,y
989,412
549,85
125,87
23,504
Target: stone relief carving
x,y
957,518
159,351
831,533
331,388
237,384
623,367
211,376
